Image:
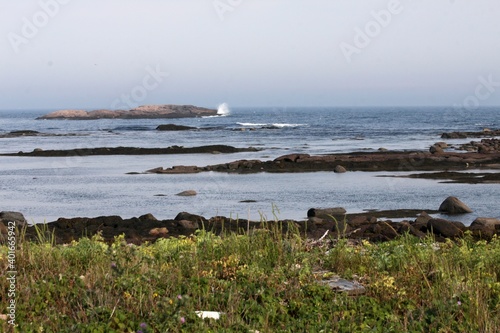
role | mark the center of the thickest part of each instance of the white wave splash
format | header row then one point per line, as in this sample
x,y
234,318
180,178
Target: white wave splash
x,y
223,110
251,124
288,125
279,125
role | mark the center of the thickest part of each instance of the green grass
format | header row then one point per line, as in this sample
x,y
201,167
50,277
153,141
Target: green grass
x,y
264,281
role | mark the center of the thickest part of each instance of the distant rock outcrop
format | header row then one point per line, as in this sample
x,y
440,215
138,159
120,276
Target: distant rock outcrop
x,y
144,111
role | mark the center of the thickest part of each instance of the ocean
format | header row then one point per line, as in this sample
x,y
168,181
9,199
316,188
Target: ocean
x,y
46,188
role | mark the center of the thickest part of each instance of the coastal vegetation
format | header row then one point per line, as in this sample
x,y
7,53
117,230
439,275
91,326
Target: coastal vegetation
x,y
265,280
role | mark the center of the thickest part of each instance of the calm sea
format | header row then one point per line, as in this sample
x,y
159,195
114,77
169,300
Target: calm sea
x,y
47,188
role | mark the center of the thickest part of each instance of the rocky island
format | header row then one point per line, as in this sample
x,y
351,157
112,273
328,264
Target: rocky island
x,y
144,111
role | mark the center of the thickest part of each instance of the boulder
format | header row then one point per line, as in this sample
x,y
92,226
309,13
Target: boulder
x,y
383,229
187,224
17,217
435,149
190,217
444,228
423,218
188,193
359,220
452,205
147,217
485,227
339,169
406,227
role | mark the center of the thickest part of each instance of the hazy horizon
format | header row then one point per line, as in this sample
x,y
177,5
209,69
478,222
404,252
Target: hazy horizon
x,y
59,54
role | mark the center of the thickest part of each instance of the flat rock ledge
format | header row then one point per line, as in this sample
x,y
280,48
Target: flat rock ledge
x,y
372,161
133,151
360,226
144,111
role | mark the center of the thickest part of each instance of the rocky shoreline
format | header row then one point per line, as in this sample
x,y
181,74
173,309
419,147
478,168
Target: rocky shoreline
x,y
374,226
141,112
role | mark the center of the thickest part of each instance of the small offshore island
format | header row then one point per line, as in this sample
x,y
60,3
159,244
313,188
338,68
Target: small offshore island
x,y
141,112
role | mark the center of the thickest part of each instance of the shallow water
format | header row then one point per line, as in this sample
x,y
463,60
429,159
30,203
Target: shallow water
x,y
47,188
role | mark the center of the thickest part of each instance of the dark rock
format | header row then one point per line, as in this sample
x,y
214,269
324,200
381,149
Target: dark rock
x,y
17,217
327,213
190,217
292,157
485,227
147,217
452,205
24,132
406,227
359,220
454,135
173,127
384,229
444,228
134,151
435,149
187,224
423,218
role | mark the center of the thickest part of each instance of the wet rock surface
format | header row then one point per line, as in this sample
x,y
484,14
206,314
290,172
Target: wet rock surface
x,y
460,177
463,135
31,133
133,151
363,161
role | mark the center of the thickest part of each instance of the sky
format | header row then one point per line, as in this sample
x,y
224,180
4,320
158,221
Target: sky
x,y
123,53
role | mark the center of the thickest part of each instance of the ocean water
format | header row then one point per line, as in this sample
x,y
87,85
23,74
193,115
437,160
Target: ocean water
x,y
45,188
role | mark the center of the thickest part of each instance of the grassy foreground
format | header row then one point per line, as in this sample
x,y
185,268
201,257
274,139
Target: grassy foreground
x,y
266,281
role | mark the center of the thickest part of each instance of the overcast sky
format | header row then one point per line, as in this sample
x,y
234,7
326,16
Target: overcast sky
x,y
120,53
